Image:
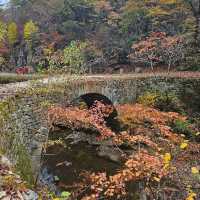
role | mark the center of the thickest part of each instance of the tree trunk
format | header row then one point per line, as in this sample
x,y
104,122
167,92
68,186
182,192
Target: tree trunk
x,y
169,65
21,60
30,54
12,61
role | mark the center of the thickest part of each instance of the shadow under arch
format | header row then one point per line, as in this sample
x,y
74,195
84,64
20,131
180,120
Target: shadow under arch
x,y
90,98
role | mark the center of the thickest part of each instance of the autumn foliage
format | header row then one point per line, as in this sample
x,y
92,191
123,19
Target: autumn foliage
x,y
157,152
142,165
157,48
82,118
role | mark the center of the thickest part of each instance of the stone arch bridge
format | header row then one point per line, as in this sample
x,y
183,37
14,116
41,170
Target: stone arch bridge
x,y
24,117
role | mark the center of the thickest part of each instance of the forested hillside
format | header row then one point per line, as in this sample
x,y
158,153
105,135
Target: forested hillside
x,y
78,36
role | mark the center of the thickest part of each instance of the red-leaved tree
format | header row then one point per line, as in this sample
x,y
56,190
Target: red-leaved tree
x,y
147,50
172,50
158,48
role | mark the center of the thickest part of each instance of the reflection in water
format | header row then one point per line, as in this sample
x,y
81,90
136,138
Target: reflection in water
x,y
62,166
48,179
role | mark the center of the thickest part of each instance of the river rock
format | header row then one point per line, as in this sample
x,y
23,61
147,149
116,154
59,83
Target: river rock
x,y
111,153
30,195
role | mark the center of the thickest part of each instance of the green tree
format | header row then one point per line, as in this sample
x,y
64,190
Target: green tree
x,y
194,6
12,33
3,31
161,15
74,58
30,29
12,39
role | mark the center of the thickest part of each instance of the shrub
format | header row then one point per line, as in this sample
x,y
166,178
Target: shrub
x,y
169,102
182,127
2,60
166,101
148,99
56,60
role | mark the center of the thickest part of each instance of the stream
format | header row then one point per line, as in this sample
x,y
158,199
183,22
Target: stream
x,y
62,165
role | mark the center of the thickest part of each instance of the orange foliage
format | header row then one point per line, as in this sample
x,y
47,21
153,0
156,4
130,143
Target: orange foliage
x,y
153,165
76,118
124,137
142,165
139,114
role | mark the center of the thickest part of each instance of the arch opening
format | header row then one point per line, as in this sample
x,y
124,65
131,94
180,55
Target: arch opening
x,y
89,100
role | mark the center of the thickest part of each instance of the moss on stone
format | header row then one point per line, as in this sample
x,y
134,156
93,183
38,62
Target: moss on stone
x,y
10,142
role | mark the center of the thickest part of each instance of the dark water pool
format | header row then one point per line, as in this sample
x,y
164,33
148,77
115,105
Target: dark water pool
x,y
62,166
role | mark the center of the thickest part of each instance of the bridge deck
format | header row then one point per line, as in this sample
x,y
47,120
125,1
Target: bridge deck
x,y
11,89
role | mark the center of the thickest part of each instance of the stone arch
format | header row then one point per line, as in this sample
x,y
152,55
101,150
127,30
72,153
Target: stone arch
x,y
90,98
30,116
